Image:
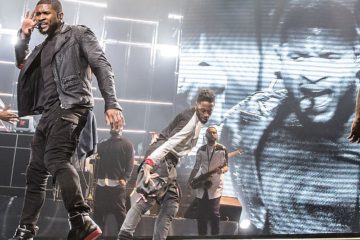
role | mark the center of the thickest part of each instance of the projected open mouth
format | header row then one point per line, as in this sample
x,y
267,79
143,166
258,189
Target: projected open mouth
x,y
315,99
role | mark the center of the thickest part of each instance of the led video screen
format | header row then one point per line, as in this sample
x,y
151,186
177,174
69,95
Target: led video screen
x,y
286,76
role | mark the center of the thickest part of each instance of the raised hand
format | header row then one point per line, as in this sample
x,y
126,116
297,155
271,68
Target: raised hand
x,y
236,152
355,131
28,24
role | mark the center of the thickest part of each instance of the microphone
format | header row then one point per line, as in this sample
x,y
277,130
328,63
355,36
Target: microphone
x,y
37,25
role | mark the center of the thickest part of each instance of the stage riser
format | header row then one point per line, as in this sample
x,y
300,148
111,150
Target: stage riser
x,y
53,222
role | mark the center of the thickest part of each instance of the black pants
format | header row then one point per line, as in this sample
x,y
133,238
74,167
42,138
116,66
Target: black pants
x,y
109,200
209,210
52,147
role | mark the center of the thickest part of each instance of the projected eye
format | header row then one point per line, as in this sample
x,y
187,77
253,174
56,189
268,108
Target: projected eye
x,y
297,56
330,55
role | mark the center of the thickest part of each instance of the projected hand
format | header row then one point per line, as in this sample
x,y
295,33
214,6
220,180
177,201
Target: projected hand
x,y
355,131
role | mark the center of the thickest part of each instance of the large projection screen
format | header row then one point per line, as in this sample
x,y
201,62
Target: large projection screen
x,y
285,74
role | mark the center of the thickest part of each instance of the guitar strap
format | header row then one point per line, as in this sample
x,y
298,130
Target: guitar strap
x,y
209,156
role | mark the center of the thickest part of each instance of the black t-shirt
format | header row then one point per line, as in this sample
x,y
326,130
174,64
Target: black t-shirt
x,y
116,158
51,95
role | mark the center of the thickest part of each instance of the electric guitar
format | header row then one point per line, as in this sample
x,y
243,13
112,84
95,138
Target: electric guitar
x,y
203,181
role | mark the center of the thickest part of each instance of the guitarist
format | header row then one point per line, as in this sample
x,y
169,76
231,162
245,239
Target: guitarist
x,y
211,157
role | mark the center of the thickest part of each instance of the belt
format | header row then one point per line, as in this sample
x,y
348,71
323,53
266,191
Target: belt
x,y
107,182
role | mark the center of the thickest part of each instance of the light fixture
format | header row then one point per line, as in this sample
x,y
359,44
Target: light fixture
x,y
168,50
11,32
139,101
245,224
131,20
125,130
94,4
6,94
8,31
7,62
14,40
175,16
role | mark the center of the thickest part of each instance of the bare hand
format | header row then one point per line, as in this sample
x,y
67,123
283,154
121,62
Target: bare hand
x,y
236,152
355,131
115,118
223,170
154,137
147,172
148,175
28,24
8,116
122,183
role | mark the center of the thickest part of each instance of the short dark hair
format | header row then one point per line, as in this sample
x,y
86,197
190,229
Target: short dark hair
x,y
206,95
114,133
207,130
319,14
56,4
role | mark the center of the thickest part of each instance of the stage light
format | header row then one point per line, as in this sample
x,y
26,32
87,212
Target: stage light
x,y
127,43
6,94
168,50
175,16
13,40
7,62
11,32
125,130
94,4
130,20
245,224
139,101
8,31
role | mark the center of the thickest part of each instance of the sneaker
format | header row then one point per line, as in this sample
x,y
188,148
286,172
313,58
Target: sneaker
x,y
82,227
25,232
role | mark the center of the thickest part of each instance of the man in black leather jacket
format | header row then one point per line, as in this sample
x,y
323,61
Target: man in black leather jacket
x,y
55,80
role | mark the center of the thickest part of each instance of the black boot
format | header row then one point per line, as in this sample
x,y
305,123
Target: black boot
x,y
25,232
82,227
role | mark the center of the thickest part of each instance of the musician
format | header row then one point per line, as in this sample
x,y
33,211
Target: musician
x,y
113,170
211,157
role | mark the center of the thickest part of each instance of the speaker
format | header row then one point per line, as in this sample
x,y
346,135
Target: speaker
x,y
53,221
15,152
230,209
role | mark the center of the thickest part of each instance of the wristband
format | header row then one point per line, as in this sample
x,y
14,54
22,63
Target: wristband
x,y
149,161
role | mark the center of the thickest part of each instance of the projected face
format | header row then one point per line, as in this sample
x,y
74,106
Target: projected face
x,y
318,67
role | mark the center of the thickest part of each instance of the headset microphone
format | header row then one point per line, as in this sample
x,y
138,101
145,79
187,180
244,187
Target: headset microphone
x,y
37,25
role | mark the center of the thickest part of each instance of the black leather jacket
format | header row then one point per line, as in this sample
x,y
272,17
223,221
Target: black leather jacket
x,y
77,53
